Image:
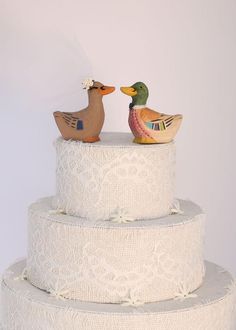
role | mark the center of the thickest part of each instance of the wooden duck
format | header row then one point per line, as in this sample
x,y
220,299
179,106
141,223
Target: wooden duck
x,y
149,126
85,125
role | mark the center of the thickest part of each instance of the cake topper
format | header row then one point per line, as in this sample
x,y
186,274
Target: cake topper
x,y
85,125
149,126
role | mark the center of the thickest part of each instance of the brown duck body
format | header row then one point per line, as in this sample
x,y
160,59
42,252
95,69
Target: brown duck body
x,y
85,125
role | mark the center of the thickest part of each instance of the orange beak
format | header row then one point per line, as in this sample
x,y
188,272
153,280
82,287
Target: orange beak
x,y
106,90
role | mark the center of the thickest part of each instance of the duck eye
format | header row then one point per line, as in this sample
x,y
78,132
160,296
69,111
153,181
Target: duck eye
x,y
102,88
141,86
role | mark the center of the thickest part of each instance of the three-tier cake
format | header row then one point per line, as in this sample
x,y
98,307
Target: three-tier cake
x,y
113,249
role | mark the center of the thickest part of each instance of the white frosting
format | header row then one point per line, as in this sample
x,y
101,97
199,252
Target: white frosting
x,y
106,261
93,180
28,308
122,246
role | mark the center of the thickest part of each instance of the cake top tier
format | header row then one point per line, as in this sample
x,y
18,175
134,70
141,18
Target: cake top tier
x,y
115,175
116,139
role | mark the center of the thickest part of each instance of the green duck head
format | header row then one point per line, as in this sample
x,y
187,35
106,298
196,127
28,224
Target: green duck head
x,y
138,92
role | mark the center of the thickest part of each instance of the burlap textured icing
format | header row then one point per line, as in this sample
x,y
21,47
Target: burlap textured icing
x,y
212,307
96,180
104,261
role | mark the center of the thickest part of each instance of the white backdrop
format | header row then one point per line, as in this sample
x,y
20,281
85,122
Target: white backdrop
x,y
183,50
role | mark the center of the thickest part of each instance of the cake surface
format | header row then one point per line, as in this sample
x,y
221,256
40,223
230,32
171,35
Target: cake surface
x,y
96,180
106,262
113,250
211,307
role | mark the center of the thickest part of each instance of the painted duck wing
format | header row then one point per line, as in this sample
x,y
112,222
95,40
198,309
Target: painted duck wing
x,y
72,120
161,123
147,114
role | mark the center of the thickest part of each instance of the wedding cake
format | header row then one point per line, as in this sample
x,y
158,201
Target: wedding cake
x,y
113,249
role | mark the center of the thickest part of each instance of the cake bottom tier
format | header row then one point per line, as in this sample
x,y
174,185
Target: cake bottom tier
x,y
211,307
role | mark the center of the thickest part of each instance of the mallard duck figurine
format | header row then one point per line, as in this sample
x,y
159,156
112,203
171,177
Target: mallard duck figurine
x,y
85,125
149,126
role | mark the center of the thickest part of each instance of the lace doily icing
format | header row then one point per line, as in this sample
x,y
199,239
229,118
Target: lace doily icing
x,y
105,261
95,180
28,308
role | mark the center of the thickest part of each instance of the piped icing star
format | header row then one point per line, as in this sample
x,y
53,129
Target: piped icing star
x,y
132,301
58,292
56,211
184,292
120,215
22,276
175,208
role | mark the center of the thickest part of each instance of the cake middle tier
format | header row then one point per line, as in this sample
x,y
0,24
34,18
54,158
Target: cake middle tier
x,y
103,261
96,180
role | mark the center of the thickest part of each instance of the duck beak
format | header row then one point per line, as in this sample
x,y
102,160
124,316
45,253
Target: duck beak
x,y
106,90
128,91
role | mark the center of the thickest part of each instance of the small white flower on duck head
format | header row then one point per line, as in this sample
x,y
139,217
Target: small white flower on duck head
x,y
87,83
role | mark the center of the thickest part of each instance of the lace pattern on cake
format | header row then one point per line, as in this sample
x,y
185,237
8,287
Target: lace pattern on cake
x,y
106,264
24,312
94,182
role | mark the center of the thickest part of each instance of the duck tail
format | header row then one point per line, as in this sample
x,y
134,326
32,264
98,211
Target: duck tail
x,y
57,114
179,117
